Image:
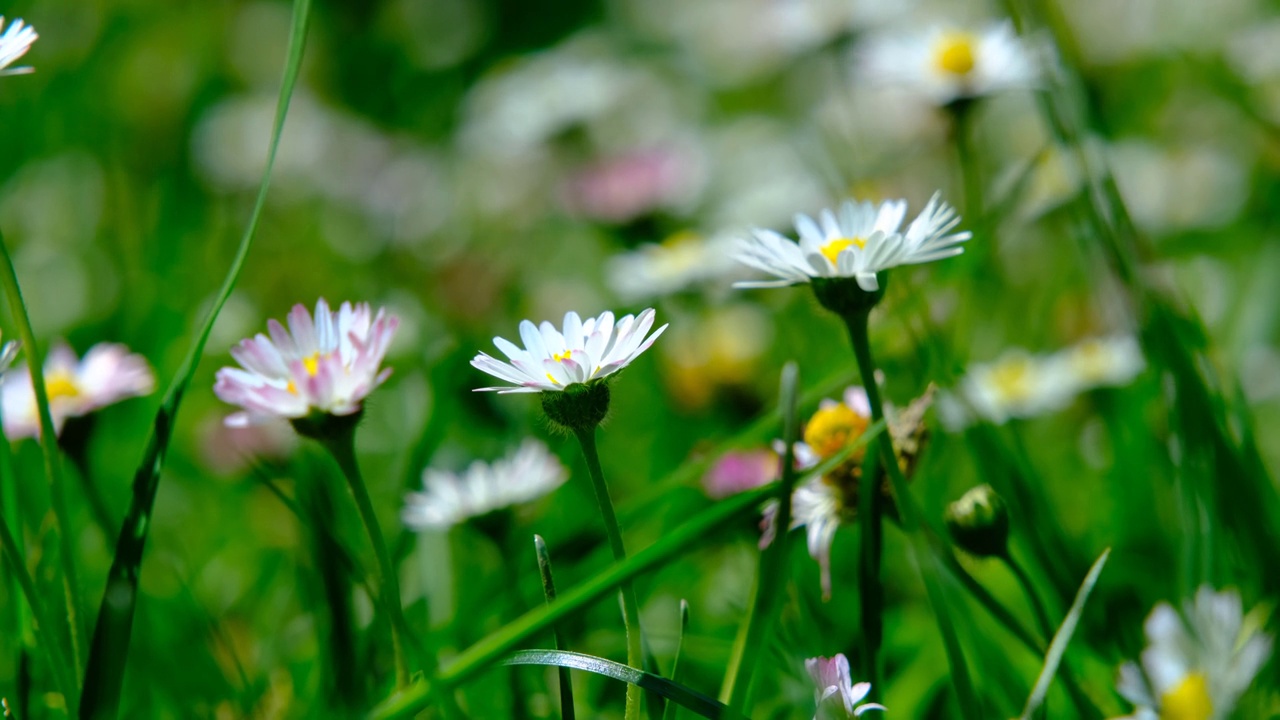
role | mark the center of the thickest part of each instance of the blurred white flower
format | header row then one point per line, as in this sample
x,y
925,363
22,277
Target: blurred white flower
x,y
947,64
1021,385
584,351
1168,189
818,507
108,374
15,41
860,242
449,499
683,260
1197,664
327,365
837,695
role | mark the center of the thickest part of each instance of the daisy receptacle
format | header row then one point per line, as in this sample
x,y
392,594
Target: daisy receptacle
x,y
571,367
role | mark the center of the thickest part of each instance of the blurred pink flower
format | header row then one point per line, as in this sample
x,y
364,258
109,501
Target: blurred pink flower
x,y
739,471
229,449
624,187
108,374
832,678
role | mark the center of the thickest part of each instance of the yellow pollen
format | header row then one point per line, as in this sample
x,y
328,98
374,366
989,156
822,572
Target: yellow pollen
x,y
954,53
1188,700
312,364
60,385
293,389
1013,378
832,250
552,379
561,357
831,429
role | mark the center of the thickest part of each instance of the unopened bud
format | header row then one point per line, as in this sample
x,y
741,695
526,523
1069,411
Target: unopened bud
x,y
979,522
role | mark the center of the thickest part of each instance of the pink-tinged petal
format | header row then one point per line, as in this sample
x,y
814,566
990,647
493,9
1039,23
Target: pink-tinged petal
x,y
282,340
258,355
303,329
498,369
855,398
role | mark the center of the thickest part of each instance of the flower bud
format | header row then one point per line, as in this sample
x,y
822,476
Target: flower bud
x,y
979,522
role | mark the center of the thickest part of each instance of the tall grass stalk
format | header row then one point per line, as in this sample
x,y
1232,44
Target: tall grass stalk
x,y
108,654
52,464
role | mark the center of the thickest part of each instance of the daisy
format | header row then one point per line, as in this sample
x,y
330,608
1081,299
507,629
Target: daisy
x,y
949,64
450,499
14,43
832,678
582,352
684,260
822,504
858,243
1100,362
107,374
1197,664
327,365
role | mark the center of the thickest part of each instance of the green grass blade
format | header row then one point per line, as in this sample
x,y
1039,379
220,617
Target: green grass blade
x,y
673,709
1063,636
109,651
52,461
697,702
772,576
481,655
549,591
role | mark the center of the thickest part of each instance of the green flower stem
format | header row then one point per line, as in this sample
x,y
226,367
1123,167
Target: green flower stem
x,y
52,464
630,608
928,564
1024,580
962,134
342,447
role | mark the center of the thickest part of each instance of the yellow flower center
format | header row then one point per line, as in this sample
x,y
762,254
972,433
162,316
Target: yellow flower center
x,y
312,364
1188,700
60,385
954,53
831,429
1013,378
832,250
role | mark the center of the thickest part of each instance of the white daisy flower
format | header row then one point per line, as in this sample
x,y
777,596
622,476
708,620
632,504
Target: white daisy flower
x,y
108,374
818,507
15,41
1101,362
327,365
837,695
859,242
683,260
948,64
1021,385
584,351
1197,667
450,499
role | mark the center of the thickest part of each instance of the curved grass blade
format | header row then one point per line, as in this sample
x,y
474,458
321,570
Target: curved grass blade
x,y
110,648
772,576
674,708
549,590
697,702
1063,636
481,655
52,460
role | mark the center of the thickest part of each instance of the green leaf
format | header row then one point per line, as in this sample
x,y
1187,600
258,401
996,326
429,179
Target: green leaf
x,y
110,649
1063,636
697,702
674,708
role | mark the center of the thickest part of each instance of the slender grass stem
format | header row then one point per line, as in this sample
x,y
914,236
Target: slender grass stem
x,y
52,460
630,608
1033,599
929,567
342,447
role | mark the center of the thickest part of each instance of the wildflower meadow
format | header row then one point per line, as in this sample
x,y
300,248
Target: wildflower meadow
x,y
640,359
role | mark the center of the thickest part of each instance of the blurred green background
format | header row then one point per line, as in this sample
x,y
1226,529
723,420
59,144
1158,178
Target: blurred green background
x,y
470,163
